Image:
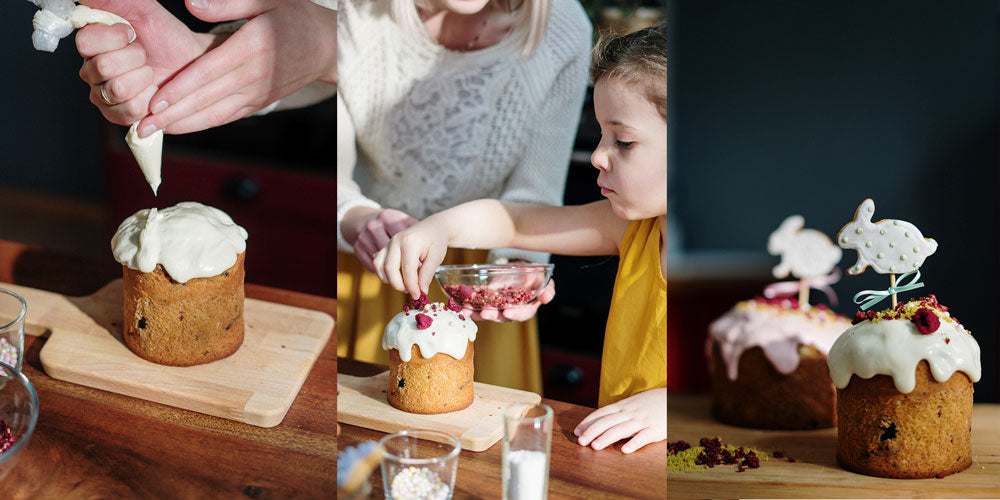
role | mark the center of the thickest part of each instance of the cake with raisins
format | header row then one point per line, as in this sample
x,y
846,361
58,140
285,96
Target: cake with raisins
x,y
767,360
904,388
182,278
431,352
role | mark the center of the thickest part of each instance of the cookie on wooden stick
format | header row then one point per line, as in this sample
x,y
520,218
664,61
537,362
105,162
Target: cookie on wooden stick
x,y
889,246
806,254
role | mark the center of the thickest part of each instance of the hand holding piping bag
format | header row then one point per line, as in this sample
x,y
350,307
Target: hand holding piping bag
x,y
123,72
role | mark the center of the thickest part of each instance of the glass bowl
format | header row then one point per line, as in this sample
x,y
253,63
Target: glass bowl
x,y
498,286
419,464
18,413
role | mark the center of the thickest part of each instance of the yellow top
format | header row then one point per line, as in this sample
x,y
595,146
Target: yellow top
x,y
635,340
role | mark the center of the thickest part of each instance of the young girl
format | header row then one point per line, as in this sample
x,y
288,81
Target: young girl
x,y
629,74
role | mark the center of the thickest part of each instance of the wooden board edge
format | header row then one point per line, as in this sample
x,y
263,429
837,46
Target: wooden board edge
x,y
268,419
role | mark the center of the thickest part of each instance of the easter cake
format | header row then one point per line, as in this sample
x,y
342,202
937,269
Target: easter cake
x,y
431,352
767,356
183,283
768,365
904,374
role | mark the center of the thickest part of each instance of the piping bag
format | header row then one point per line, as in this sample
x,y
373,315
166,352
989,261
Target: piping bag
x,y
55,21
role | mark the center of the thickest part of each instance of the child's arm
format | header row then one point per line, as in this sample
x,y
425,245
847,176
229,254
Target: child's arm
x,y
412,256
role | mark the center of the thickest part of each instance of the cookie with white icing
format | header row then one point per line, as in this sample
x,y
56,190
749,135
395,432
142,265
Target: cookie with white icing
x,y
889,245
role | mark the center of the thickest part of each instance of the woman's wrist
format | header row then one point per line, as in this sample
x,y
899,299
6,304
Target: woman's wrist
x,y
354,222
329,73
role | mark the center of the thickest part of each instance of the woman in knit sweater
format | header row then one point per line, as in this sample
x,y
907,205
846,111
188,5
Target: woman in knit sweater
x,y
440,103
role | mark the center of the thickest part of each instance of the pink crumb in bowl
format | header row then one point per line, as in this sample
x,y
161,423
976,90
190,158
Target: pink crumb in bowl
x,y
479,296
7,437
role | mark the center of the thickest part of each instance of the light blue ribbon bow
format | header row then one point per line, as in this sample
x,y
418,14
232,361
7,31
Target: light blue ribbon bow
x,y
868,298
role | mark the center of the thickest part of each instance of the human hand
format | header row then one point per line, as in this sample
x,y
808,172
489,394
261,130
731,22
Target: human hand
x,y
522,312
642,416
284,45
129,73
411,258
375,233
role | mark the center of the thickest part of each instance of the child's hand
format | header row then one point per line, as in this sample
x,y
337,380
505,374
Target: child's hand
x,y
643,417
411,258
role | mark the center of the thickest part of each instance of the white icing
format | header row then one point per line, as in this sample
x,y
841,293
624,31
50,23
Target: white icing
x,y
148,152
447,333
805,253
189,240
895,347
896,246
777,330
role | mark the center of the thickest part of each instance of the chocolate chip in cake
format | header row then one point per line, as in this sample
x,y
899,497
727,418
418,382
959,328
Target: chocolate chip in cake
x,y
888,432
402,382
142,322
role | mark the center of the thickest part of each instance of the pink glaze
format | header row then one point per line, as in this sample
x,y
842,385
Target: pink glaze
x,y
778,328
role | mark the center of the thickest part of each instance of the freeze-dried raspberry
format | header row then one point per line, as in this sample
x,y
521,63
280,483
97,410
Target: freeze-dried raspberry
x,y
479,297
423,321
926,321
419,302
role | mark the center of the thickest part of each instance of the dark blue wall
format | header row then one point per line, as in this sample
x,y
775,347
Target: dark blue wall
x,y
782,107
50,138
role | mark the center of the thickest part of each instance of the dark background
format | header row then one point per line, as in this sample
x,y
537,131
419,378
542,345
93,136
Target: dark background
x,y
785,107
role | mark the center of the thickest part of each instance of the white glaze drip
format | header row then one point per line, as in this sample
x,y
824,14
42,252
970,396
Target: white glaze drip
x,y
895,347
189,240
447,333
777,330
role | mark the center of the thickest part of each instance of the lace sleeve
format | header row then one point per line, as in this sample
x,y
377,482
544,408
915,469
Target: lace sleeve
x,y
541,177
348,192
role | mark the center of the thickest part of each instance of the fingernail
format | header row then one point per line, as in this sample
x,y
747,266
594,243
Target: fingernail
x,y
159,106
147,130
131,35
576,432
199,4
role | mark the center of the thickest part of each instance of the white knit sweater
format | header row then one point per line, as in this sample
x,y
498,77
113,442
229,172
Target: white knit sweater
x,y
421,128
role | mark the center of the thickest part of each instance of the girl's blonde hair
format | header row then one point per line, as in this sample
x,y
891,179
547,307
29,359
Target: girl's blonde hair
x,y
638,57
531,17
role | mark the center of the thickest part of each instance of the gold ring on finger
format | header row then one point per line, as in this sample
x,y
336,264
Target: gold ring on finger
x,y
105,96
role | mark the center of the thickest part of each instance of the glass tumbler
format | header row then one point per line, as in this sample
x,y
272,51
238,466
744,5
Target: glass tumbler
x,y
419,464
12,311
527,436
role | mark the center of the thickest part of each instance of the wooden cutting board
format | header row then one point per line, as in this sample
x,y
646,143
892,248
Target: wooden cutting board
x,y
816,474
361,401
255,385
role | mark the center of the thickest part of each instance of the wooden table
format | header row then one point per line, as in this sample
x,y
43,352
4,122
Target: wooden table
x,y
816,473
574,472
90,443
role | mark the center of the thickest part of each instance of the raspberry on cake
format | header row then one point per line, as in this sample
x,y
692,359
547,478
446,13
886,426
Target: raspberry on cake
x,y
430,358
